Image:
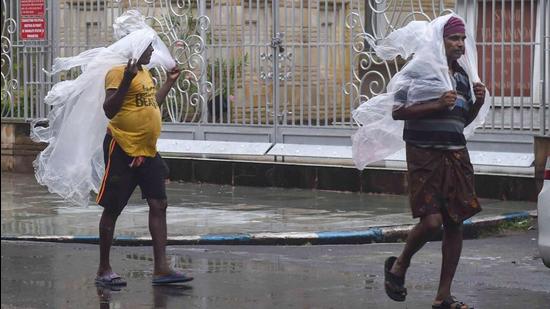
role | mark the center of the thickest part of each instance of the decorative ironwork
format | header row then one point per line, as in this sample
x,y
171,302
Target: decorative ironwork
x,y
370,73
184,34
230,70
284,60
9,82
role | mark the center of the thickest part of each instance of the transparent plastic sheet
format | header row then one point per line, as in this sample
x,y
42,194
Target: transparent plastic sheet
x,y
425,77
132,21
72,163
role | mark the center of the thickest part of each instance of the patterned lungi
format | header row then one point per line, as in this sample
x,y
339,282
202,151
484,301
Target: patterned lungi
x,y
441,181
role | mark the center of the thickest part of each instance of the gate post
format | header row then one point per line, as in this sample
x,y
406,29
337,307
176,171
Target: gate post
x,y
203,81
544,53
276,42
55,49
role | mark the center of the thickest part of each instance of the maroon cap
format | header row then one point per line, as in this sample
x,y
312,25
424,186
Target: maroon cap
x,y
454,25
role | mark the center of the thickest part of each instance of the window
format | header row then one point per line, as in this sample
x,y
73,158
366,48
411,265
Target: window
x,y
506,44
92,34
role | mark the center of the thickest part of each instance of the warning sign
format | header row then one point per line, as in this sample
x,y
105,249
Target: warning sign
x,y
32,20
32,8
33,28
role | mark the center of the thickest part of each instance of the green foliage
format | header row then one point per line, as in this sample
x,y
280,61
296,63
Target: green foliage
x,y
516,225
224,74
14,108
507,227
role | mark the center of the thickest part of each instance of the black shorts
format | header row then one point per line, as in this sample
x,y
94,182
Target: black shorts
x,y
120,180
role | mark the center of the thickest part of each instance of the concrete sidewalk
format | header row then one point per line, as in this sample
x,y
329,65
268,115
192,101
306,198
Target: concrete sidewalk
x,y
221,214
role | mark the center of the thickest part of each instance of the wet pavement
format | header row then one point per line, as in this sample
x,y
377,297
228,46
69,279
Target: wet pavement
x,y
199,209
494,272
498,272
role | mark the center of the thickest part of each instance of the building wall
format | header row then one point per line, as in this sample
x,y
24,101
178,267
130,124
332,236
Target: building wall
x,y
18,150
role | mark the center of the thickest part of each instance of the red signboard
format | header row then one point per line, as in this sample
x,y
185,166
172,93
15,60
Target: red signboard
x,y
32,8
33,28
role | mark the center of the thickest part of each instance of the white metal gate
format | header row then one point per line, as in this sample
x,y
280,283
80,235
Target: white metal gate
x,y
284,71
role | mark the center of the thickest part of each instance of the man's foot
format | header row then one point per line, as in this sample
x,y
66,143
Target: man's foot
x,y
171,277
110,279
393,285
450,303
398,268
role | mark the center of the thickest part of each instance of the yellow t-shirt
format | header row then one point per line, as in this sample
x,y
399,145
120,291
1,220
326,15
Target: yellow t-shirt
x,y
136,127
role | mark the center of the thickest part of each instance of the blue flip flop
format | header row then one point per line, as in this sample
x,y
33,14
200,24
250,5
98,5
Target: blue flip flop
x,y
175,277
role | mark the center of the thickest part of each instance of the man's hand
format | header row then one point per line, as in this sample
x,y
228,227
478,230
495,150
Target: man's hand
x,y
479,92
115,97
447,100
173,74
131,70
171,78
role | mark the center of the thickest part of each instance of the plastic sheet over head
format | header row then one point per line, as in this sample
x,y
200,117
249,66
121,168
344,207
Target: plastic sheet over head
x,y
72,163
133,21
425,77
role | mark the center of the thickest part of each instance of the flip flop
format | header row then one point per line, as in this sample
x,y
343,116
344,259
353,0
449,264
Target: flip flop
x,y
393,285
450,303
175,277
111,279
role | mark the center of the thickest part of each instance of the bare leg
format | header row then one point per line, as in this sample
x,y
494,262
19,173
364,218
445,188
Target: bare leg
x,y
419,235
451,249
158,230
106,231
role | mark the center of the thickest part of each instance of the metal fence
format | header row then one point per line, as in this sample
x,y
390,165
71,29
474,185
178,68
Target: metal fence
x,y
24,85
288,71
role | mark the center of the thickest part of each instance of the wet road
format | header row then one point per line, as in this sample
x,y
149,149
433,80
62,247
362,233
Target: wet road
x,y
198,209
498,272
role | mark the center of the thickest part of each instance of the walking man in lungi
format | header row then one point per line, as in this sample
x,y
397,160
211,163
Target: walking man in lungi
x,y
440,175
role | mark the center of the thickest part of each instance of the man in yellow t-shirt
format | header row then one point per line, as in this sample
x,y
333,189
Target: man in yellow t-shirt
x,y
136,126
131,159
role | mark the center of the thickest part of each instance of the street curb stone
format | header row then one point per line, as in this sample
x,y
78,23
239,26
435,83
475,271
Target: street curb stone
x,y
383,234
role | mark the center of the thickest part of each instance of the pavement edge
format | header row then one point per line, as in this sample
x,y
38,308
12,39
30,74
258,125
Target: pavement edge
x,y
383,234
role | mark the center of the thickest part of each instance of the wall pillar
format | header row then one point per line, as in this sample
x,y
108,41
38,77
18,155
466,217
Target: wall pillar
x,y
18,150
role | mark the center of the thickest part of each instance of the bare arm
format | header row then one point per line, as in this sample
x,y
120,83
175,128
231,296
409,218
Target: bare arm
x,y
171,78
424,109
115,97
479,92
